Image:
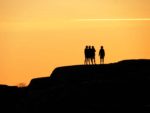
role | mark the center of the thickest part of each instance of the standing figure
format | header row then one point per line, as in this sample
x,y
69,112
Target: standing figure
x,y
89,55
93,55
102,55
86,55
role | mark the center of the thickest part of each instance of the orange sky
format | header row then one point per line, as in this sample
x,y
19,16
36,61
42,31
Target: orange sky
x,y
38,35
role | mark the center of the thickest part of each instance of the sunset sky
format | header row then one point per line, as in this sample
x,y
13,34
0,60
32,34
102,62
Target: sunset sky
x,y
36,36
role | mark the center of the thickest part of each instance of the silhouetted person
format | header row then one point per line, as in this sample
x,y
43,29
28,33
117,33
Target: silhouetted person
x,y
102,55
93,55
89,54
86,55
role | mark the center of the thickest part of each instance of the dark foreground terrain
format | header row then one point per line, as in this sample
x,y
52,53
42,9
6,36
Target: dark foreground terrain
x,y
121,87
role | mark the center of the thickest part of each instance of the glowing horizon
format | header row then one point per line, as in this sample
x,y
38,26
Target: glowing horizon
x,y
114,19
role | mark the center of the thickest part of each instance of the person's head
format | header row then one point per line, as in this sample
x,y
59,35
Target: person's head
x,y
86,46
101,47
92,47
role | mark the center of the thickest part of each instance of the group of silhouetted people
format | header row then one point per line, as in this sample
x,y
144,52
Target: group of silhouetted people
x,y
89,52
89,55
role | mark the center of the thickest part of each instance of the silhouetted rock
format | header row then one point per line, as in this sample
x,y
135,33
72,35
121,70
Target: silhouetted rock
x,y
38,83
109,88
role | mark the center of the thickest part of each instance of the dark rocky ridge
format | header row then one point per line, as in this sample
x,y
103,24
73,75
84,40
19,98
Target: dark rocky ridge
x,y
118,87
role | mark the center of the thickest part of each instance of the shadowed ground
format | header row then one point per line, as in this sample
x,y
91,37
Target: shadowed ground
x,y
118,87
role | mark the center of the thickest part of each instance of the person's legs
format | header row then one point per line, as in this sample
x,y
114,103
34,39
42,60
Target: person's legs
x,y
85,61
94,60
91,60
88,60
103,61
100,60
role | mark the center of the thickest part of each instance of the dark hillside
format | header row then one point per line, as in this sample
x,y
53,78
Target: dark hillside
x,y
110,88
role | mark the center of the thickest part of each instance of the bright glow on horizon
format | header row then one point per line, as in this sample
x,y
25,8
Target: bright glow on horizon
x,y
115,19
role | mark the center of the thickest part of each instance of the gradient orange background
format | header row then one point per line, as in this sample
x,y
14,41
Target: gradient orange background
x,y
38,35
